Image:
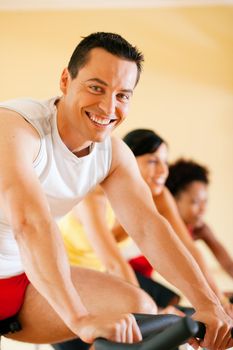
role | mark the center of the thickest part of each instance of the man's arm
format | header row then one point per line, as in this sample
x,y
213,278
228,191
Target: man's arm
x,y
91,212
25,206
132,202
40,244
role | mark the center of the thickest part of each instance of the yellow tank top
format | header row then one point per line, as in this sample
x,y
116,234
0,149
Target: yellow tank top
x,y
78,247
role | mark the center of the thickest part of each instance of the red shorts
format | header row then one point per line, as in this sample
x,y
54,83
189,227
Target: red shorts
x,y
142,265
12,292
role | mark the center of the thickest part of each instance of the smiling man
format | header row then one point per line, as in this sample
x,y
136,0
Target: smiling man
x,y
52,154
91,107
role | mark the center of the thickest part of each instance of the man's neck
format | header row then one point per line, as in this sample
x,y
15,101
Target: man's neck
x,y
83,152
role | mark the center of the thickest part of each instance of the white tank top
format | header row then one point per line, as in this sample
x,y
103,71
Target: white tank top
x,y
65,178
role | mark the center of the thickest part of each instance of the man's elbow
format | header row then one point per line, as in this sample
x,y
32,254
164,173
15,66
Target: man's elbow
x,y
20,226
28,225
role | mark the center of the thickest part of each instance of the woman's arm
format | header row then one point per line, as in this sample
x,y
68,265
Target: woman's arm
x,y
167,207
91,212
206,234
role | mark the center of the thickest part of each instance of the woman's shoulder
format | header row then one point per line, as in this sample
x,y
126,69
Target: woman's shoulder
x,y
164,201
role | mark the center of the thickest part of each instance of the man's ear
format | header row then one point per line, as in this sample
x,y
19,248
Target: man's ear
x,y
64,81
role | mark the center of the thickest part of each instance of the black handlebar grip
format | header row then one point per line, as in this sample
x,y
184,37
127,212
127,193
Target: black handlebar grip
x,y
154,323
171,337
201,330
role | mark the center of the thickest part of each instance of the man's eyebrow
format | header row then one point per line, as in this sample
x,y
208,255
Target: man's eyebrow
x,y
97,80
102,82
130,91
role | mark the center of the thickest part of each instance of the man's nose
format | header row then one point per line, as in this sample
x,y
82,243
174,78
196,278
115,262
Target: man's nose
x,y
108,105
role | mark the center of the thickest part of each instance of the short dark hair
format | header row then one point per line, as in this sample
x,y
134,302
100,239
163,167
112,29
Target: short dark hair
x,y
111,42
142,141
183,172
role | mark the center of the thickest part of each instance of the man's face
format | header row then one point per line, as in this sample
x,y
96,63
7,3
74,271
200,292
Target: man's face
x,y
98,99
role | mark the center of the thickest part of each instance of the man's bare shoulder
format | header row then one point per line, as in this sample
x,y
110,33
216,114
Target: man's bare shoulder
x,y
11,120
15,130
123,160
120,151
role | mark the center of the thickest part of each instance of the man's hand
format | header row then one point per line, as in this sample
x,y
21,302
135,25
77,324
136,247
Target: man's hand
x,y
228,307
218,328
122,328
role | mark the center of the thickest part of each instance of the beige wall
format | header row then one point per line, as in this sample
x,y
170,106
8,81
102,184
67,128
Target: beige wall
x,y
186,91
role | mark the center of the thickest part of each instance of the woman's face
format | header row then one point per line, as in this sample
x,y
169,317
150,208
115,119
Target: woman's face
x,y
154,168
192,203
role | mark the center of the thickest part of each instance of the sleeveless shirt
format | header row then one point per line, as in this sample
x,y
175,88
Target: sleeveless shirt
x,y
64,177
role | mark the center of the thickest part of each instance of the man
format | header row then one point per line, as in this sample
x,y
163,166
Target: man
x,y
52,154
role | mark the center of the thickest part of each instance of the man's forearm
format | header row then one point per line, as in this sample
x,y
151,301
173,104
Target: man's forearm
x,y
169,257
206,272
46,265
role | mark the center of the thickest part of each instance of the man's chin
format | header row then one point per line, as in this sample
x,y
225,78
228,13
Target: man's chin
x,y
100,137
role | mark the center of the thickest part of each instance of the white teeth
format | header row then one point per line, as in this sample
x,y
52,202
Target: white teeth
x,y
97,120
160,181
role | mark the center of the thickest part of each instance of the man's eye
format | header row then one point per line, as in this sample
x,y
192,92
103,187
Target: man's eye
x,y
95,88
123,97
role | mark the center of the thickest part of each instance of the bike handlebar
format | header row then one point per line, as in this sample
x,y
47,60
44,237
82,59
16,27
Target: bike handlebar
x,y
159,332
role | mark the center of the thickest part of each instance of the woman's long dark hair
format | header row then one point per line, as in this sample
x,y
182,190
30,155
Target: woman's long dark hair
x,y
142,141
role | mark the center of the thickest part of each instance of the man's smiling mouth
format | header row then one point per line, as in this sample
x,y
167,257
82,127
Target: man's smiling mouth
x,y
99,120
